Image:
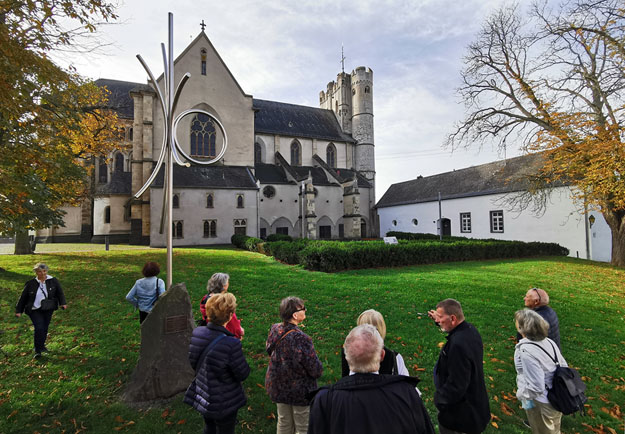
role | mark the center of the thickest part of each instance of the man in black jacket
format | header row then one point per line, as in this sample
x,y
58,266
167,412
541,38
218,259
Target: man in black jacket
x,y
460,397
366,402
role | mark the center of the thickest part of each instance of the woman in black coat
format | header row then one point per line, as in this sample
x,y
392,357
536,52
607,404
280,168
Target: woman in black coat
x,y
41,296
217,392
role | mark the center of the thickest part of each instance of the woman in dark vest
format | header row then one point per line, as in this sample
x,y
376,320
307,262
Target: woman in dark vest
x,y
220,366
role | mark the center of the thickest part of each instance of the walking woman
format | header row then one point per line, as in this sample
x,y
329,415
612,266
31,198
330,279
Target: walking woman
x,y
146,291
293,368
535,368
220,366
41,296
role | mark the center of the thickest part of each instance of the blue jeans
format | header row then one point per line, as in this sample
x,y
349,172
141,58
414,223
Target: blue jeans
x,y
41,321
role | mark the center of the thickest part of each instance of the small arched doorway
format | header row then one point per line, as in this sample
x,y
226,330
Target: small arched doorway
x,y
445,226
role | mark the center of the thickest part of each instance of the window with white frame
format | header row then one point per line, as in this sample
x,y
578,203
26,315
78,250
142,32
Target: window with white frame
x,y
465,222
240,227
210,228
496,221
177,227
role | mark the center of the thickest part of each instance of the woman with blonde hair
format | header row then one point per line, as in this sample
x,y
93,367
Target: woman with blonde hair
x,y
534,357
217,358
393,362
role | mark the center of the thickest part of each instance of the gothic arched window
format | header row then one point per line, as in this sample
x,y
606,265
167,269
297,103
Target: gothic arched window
x,y
240,201
296,154
119,163
203,65
102,171
176,201
209,200
331,155
367,89
258,153
202,136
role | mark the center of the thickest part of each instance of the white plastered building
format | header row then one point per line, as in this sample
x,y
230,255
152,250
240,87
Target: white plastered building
x,y
475,203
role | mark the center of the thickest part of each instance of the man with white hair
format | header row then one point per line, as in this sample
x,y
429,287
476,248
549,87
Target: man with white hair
x,y
366,402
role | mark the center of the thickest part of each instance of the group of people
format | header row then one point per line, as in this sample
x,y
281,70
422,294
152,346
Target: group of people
x,y
374,395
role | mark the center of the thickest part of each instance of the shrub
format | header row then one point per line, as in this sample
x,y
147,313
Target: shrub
x,y
417,236
287,251
333,256
251,243
238,240
279,237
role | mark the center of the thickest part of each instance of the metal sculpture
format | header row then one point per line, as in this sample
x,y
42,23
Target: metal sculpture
x,y
170,147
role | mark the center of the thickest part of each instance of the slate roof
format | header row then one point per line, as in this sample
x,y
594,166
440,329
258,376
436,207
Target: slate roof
x,y
492,178
120,99
297,121
274,174
120,183
209,177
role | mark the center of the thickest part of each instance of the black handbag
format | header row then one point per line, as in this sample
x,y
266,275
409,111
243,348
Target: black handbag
x,y
47,303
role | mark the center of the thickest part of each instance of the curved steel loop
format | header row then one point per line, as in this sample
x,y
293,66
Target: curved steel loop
x,y
183,81
221,127
161,156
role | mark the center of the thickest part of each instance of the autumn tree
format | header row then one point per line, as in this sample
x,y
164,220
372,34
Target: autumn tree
x,y
51,120
552,81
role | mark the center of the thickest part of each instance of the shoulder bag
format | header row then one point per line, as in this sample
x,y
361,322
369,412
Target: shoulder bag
x,y
193,389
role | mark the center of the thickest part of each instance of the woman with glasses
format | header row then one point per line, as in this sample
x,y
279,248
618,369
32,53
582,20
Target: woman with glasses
x,y
293,368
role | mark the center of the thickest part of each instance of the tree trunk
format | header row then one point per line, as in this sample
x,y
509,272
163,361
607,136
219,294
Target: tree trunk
x,y
618,245
22,243
616,221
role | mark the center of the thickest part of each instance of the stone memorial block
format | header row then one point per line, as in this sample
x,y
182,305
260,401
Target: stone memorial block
x,y
163,368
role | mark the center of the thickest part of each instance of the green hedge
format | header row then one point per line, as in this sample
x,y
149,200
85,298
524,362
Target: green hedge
x,y
279,237
417,236
330,257
287,251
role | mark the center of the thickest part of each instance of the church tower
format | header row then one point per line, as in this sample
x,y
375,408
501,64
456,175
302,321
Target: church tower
x,y
362,121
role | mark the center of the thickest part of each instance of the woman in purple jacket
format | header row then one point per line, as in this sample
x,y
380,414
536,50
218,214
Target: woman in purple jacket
x,y
217,392
293,368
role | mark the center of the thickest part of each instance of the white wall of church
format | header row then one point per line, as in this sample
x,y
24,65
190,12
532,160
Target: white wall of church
x,y
73,221
600,238
228,103
192,211
118,223
285,205
561,223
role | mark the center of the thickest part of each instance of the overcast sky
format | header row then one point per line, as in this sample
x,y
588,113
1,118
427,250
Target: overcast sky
x,y
289,50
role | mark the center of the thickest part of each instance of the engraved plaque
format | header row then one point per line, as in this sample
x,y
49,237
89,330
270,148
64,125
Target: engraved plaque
x,y
175,324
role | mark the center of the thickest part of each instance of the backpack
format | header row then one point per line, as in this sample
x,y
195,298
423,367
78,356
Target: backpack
x,y
567,391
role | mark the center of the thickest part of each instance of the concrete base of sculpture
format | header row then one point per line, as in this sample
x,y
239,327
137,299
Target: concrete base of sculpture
x,y
163,368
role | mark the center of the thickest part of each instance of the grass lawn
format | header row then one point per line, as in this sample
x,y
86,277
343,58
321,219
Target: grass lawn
x,y
95,343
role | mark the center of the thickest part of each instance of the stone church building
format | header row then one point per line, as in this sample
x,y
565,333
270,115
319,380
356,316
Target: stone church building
x,y
288,169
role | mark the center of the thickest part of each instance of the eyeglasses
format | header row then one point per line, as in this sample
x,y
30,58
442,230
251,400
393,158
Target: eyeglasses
x,y
303,308
537,293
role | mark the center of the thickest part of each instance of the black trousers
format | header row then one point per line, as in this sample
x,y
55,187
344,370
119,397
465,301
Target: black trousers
x,y
220,426
142,316
41,321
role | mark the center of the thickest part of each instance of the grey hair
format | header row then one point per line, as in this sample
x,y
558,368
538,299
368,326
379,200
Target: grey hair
x,y
41,266
363,349
217,282
531,325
